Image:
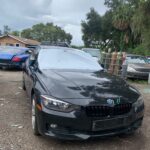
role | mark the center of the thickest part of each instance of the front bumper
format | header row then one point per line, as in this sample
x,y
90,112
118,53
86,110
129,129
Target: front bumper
x,y
138,75
76,126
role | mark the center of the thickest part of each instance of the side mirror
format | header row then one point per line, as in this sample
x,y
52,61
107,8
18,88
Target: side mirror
x,y
29,51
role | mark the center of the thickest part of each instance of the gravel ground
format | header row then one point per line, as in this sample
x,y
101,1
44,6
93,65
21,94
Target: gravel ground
x,y
15,123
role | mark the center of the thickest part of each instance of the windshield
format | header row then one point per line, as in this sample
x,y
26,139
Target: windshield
x,y
137,59
6,50
66,59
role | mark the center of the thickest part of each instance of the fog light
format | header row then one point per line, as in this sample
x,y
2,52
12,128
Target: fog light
x,y
53,126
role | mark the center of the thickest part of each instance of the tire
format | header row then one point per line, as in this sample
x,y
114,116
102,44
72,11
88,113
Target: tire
x,y
34,118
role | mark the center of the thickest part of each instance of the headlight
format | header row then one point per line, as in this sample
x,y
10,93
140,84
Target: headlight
x,y
58,105
139,102
130,69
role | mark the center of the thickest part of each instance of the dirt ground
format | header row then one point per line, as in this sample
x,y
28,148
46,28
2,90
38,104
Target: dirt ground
x,y
15,123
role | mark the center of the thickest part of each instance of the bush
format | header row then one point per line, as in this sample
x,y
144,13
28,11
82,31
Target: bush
x,y
140,50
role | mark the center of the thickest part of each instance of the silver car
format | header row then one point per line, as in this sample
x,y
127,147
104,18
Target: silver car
x,y
138,66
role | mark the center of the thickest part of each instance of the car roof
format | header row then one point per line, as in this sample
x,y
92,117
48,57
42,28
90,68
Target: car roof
x,y
43,47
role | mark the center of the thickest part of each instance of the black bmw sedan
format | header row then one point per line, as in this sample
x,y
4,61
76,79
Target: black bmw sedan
x,y
73,98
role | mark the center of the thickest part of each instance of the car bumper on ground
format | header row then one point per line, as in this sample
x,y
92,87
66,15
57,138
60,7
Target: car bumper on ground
x,y
74,126
138,75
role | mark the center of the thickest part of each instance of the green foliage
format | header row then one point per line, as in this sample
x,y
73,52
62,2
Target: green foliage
x,y
47,32
6,30
15,33
0,32
140,50
26,33
141,23
92,29
124,27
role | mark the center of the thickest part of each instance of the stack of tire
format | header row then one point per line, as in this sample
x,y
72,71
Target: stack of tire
x,y
112,62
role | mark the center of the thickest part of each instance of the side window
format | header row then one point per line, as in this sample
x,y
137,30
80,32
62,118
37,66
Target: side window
x,y
17,44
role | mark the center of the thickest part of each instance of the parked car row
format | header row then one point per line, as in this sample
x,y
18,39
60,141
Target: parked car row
x,y
72,97
14,57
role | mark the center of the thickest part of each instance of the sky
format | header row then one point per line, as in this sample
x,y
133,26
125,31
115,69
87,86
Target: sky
x,y
21,14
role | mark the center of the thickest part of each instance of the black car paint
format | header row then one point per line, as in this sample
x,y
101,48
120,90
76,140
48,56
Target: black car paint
x,y
95,86
79,88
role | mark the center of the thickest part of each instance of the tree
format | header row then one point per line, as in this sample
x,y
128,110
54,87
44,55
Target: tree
x,y
121,21
15,33
47,32
6,30
131,19
100,31
112,4
141,22
108,30
91,29
0,32
26,33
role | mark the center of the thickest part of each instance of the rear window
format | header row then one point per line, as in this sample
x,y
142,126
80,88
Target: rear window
x,y
66,59
11,50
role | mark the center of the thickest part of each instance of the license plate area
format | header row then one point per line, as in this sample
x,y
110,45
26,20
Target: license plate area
x,y
109,123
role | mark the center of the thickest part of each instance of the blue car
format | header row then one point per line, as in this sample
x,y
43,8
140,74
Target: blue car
x,y
13,57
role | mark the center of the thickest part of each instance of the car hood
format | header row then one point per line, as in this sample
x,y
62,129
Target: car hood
x,y
87,87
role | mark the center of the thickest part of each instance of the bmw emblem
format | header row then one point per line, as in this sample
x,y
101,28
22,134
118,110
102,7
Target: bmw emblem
x,y
110,102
